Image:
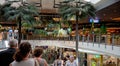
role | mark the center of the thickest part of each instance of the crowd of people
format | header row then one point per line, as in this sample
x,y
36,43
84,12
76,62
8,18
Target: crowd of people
x,y
24,55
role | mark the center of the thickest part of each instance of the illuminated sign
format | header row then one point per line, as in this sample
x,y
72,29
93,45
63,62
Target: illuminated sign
x,y
94,20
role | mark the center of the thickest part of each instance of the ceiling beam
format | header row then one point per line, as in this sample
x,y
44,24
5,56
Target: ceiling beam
x,y
105,3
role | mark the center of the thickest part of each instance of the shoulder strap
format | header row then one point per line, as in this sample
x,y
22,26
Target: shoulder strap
x,y
36,62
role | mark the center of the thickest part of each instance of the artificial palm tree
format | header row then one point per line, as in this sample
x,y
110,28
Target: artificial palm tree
x,y
71,8
22,13
3,8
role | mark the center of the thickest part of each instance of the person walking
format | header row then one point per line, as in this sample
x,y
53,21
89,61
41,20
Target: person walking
x,y
21,57
38,56
6,56
58,61
71,61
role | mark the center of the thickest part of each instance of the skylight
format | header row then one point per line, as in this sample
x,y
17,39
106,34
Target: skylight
x,y
93,1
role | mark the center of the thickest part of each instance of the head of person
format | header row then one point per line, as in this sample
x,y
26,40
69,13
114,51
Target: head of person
x,y
71,58
13,43
37,52
23,51
58,57
67,57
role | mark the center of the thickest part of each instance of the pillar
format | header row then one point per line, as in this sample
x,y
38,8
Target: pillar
x,y
101,60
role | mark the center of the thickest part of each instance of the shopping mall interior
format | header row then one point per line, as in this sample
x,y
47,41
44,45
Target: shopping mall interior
x,y
66,27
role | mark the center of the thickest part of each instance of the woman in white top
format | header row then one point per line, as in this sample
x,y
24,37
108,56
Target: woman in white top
x,y
21,57
58,61
71,62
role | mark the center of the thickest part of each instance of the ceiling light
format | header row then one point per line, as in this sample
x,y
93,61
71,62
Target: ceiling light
x,y
88,0
93,1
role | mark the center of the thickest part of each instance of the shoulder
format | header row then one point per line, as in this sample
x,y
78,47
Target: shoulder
x,y
2,52
67,61
31,60
42,59
13,63
55,61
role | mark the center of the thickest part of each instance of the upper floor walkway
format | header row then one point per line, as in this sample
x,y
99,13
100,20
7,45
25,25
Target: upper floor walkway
x,y
88,47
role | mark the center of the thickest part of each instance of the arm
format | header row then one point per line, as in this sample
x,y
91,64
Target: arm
x,y
66,64
55,63
62,62
45,63
10,64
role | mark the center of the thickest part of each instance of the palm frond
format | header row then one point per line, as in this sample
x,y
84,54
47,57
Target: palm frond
x,y
69,9
67,1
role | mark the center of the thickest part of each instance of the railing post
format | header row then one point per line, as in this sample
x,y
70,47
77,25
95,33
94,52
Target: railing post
x,y
99,39
88,39
105,40
93,37
113,41
83,38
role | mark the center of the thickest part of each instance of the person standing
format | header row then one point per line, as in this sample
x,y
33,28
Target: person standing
x,y
21,57
15,34
71,61
6,56
38,56
58,61
10,34
85,62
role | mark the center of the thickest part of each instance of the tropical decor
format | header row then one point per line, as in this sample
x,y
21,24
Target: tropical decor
x,y
3,8
103,29
62,33
40,32
68,9
79,10
20,13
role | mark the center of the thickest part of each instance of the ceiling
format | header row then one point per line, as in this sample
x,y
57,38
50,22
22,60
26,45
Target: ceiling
x,y
107,10
110,13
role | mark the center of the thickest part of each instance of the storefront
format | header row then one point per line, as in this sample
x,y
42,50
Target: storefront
x,y
100,60
94,60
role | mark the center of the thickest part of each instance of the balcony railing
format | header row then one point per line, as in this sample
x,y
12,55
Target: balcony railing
x,y
101,39
113,39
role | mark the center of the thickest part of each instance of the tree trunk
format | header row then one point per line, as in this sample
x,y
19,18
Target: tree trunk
x,y
19,40
77,35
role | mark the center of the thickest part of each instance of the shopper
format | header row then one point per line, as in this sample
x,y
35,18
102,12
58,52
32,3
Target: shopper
x,y
38,56
85,62
58,61
21,57
10,34
71,61
6,57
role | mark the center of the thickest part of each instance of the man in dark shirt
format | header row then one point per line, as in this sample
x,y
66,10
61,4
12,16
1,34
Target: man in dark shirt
x,y
6,56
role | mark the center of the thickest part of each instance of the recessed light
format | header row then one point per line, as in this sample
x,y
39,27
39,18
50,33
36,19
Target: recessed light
x,y
88,0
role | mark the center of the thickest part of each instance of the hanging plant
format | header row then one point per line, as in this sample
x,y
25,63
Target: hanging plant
x,y
69,30
103,29
55,33
40,32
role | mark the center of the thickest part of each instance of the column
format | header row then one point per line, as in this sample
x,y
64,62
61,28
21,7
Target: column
x,y
101,60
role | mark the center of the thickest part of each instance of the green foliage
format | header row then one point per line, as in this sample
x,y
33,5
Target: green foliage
x,y
69,8
3,9
103,29
40,32
26,25
50,24
26,13
55,32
